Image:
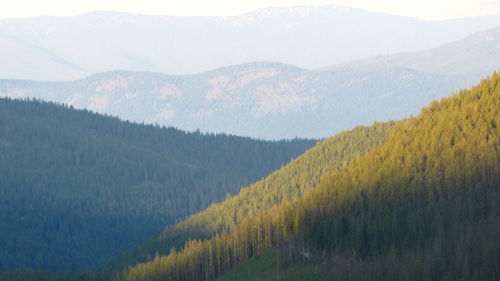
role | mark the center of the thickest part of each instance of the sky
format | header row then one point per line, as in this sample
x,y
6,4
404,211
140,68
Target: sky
x,y
423,9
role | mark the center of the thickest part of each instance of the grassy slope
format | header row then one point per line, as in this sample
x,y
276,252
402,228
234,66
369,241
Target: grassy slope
x,y
264,268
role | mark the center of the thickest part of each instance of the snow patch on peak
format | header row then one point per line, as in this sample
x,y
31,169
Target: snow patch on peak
x,y
262,15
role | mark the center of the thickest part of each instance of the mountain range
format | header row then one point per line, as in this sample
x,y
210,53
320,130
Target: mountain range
x,y
477,54
274,100
254,147
66,48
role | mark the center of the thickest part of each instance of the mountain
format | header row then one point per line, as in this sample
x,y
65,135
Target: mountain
x,y
288,183
273,100
78,188
260,100
66,48
477,54
423,205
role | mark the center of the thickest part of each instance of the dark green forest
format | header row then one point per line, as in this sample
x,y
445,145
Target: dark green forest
x,y
421,206
77,188
415,199
288,183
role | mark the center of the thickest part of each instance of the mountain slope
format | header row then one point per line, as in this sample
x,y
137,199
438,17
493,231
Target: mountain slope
x,y
288,183
273,100
21,54
261,100
307,36
423,205
78,188
476,54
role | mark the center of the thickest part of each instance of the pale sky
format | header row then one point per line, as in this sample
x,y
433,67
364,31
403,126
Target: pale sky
x,y
424,9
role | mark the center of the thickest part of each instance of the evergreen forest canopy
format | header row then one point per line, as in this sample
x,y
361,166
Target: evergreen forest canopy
x,y
78,188
288,183
421,206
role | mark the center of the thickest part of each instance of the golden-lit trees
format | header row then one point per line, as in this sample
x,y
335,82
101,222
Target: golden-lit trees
x,y
421,206
290,182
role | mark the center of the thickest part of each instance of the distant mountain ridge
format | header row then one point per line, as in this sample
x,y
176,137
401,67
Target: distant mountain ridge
x,y
261,100
478,53
272,100
65,48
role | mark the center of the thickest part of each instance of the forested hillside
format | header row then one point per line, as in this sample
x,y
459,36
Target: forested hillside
x,y
288,183
422,206
77,188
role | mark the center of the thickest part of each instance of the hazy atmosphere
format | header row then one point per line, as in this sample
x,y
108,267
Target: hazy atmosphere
x,y
277,140
423,9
